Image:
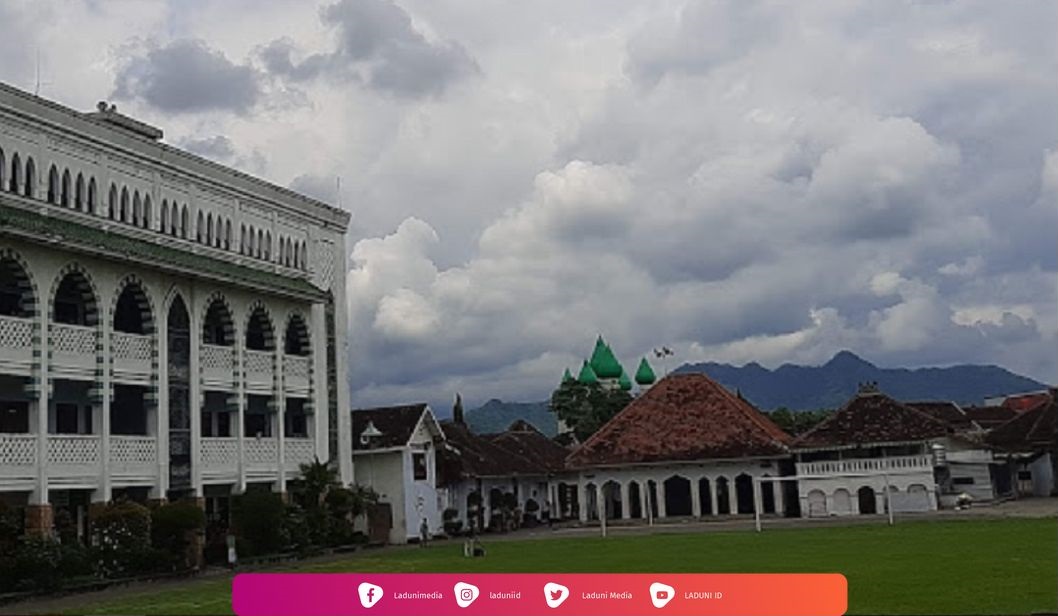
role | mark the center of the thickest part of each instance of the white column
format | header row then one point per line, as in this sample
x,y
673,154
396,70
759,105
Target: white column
x,y
195,396
626,502
696,498
162,383
281,412
240,429
732,498
582,488
661,499
40,493
104,493
712,497
644,501
320,412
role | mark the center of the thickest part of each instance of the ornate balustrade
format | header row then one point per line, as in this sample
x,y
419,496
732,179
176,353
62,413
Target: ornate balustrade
x,y
901,464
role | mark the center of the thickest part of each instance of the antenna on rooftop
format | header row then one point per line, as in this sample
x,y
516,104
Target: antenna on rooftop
x,y
338,190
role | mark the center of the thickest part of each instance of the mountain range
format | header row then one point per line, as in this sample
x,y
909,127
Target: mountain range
x,y
802,388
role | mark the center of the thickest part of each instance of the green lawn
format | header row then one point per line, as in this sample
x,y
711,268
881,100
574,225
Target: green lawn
x,y
920,567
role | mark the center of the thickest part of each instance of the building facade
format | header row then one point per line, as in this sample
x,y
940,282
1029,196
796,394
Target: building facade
x,y
169,327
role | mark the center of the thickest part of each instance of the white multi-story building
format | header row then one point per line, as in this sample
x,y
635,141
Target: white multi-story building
x,y
168,326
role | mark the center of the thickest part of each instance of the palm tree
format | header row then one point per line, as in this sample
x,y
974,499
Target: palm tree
x,y
317,479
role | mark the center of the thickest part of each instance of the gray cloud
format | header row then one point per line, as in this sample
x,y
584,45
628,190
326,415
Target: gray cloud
x,y
377,44
218,147
187,76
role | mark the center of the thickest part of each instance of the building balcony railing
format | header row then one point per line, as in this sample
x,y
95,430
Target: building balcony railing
x,y
260,368
296,371
73,454
298,451
18,455
218,364
73,346
136,455
16,345
220,455
132,355
262,454
901,464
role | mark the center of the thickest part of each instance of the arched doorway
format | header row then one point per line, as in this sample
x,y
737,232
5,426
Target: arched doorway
x,y
677,496
842,502
744,493
614,508
178,363
867,501
591,501
705,496
767,496
723,496
635,501
817,504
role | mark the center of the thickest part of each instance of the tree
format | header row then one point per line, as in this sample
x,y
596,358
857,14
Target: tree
x,y
317,478
586,407
798,422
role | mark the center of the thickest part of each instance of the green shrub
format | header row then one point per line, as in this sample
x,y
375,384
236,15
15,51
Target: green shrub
x,y
121,539
259,521
36,565
173,526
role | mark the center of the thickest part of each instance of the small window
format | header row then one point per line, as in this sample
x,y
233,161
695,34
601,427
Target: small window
x,y
418,463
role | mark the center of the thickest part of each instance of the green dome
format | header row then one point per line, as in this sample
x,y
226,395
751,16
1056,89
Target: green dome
x,y
624,381
566,376
645,374
603,361
587,375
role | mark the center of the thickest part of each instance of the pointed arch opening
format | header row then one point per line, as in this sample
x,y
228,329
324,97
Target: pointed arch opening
x,y
296,339
677,496
53,185
15,181
31,178
75,301
17,298
92,200
259,333
132,313
218,327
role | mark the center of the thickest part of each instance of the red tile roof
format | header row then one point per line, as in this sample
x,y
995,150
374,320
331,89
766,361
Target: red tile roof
x,y
873,418
1026,401
682,417
1035,428
948,412
989,417
520,451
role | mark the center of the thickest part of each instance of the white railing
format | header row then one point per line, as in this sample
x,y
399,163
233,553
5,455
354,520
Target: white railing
x,y
900,464
260,366
78,340
74,451
218,363
18,453
131,347
298,451
296,370
220,454
133,453
262,452
16,333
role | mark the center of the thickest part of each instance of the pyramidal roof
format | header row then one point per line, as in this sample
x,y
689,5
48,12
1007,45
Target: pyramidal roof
x,y
645,374
566,376
873,417
603,361
624,382
587,376
683,417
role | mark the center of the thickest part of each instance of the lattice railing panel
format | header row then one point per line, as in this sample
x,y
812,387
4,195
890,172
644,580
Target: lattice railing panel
x,y
220,453
18,450
73,339
298,451
219,358
296,368
128,451
73,450
132,347
260,364
263,451
16,333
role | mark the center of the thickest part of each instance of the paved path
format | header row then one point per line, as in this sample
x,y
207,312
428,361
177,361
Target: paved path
x,y
1027,508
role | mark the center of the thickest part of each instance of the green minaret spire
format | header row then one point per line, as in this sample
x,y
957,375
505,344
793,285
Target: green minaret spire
x,y
645,374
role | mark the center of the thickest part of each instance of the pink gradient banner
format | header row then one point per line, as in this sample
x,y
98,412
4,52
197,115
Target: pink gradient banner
x,y
536,594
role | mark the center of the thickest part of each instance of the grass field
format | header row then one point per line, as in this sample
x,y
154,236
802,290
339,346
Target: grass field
x,y
920,567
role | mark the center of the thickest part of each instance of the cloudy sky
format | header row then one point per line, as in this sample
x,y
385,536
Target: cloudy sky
x,y
740,181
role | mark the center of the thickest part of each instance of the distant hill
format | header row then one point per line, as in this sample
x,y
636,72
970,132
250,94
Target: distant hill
x,y
497,416
830,385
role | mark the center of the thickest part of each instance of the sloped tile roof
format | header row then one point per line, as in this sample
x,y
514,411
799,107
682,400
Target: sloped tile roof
x,y
948,412
1035,428
682,417
521,450
872,418
396,423
990,416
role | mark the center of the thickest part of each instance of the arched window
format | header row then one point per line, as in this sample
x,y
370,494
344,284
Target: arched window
x,y
31,178
282,250
165,216
53,185
227,234
209,229
146,211
78,193
218,329
260,243
16,174
137,209
199,230
112,201
259,333
124,214
16,288
268,246
64,195
75,302
242,239
132,314
3,171
174,220
92,196
185,221
296,339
